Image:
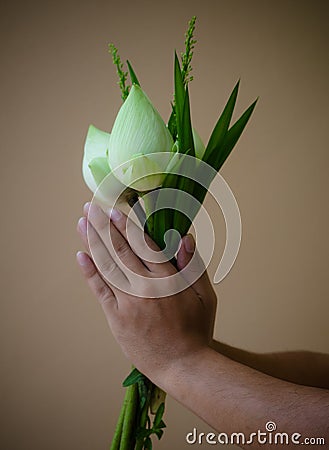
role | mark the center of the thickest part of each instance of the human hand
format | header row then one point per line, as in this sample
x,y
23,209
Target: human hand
x,y
153,333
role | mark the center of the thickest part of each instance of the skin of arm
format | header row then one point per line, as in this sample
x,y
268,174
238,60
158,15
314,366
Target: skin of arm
x,y
169,339
300,367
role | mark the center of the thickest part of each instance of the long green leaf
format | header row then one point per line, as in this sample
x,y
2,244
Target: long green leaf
x,y
222,152
222,124
159,415
132,378
181,222
163,218
231,138
186,127
172,127
179,98
162,222
185,184
132,74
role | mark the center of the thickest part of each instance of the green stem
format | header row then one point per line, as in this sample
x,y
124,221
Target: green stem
x,y
127,436
149,200
144,417
115,445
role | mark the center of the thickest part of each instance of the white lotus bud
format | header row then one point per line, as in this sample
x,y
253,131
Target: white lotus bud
x,y
95,168
96,146
140,143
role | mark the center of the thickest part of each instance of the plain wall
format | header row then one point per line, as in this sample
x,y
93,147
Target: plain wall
x,y
61,369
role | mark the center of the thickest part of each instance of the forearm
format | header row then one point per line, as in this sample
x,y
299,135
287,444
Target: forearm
x,y
232,397
301,367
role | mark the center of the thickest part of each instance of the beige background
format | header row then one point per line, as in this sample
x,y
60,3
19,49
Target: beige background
x,y
61,369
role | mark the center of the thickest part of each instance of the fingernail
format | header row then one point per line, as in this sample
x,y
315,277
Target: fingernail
x,y
189,243
82,259
82,224
115,214
86,207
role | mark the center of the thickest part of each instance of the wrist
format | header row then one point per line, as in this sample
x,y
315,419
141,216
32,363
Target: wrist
x,y
181,371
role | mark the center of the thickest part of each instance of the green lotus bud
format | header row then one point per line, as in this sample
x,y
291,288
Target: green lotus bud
x,y
96,146
144,173
95,168
99,168
139,130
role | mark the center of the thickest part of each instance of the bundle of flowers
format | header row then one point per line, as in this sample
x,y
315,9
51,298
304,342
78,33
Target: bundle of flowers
x,y
148,156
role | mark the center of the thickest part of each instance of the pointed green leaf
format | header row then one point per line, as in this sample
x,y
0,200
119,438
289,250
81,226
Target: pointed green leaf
x,y
132,74
182,222
163,219
162,424
179,99
179,88
159,433
158,415
187,141
222,124
133,378
158,220
143,433
182,113
231,138
172,127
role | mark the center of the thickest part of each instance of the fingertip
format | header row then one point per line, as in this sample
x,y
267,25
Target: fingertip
x,y
189,243
86,264
184,256
82,225
115,214
86,207
83,259
98,286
